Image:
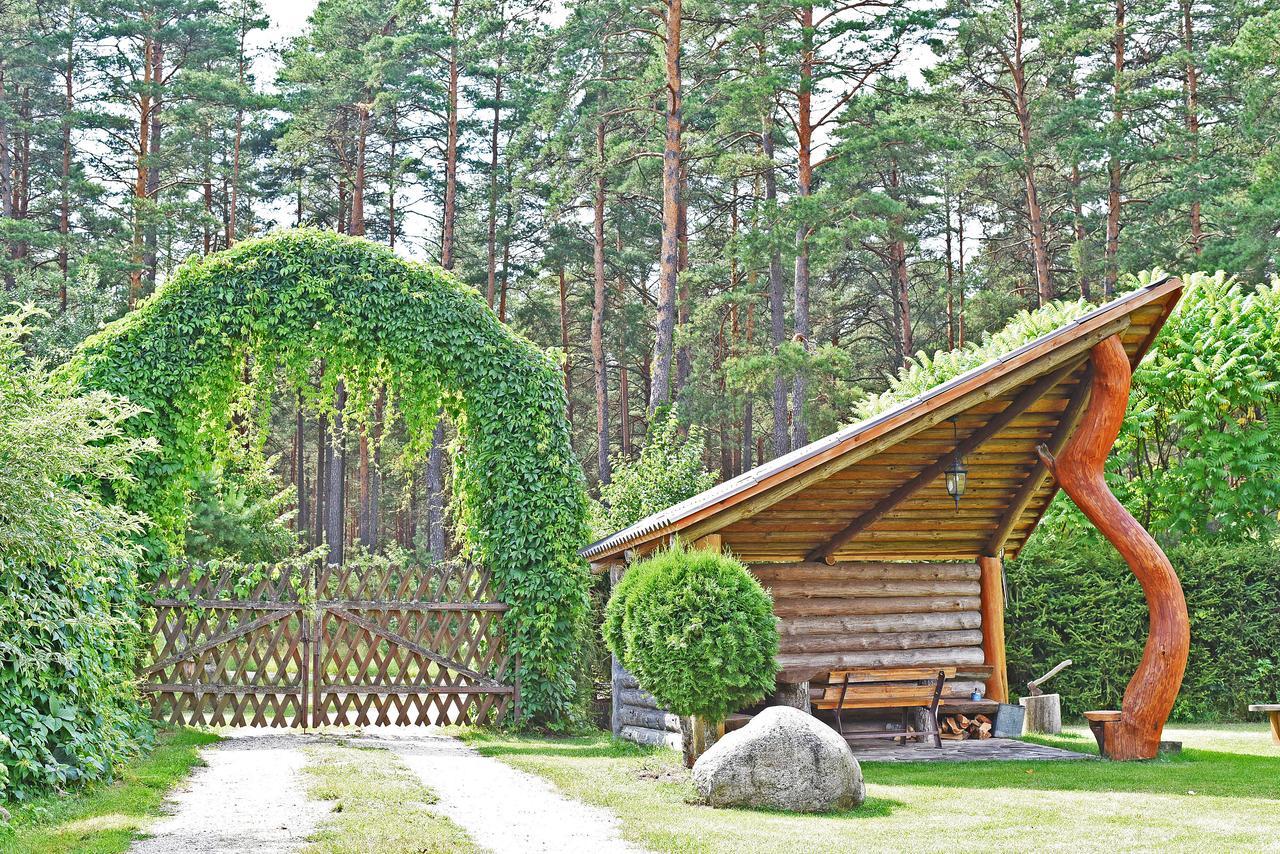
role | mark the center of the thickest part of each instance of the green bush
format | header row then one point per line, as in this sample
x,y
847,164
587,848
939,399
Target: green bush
x,y
68,629
1072,596
697,631
668,470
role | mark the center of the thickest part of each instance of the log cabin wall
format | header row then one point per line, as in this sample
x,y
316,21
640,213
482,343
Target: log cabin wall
x,y
875,615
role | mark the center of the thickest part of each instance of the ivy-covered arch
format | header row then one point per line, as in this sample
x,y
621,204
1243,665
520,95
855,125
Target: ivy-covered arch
x,y
376,320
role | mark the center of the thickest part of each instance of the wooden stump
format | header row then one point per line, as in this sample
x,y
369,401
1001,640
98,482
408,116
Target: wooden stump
x,y
1044,714
697,736
793,694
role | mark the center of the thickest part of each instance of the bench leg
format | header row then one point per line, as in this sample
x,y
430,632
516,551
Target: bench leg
x,y
937,729
1275,726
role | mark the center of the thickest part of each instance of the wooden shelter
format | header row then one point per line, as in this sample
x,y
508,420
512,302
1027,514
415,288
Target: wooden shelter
x,y
872,563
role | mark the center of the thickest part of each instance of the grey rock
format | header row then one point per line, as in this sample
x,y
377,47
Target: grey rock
x,y
783,759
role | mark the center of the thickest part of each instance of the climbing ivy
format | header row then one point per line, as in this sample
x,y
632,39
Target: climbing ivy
x,y
276,307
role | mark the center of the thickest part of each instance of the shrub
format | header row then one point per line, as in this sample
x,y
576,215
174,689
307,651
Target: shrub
x,y
669,470
1073,597
68,628
697,631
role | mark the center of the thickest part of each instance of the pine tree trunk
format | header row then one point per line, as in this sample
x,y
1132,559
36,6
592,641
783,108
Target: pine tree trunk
x,y
1113,160
64,206
777,297
492,241
684,362
597,314
669,267
435,493
451,146
1035,216
804,189
300,469
564,344
153,169
357,190
140,178
335,471
1193,124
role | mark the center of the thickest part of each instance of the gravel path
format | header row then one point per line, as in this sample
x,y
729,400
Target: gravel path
x,y
503,809
249,797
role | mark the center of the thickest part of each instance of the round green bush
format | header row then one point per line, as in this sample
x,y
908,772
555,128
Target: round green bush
x,y
697,630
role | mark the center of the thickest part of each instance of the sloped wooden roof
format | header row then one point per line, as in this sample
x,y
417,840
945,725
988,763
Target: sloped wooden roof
x,y
853,481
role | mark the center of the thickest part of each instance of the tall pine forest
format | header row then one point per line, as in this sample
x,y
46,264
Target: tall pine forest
x,y
748,214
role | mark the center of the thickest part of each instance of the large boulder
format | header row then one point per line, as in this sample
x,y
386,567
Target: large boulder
x,y
783,759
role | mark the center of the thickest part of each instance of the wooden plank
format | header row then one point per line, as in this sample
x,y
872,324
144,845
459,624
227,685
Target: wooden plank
x,y
846,607
384,605
800,627
870,587
1020,403
879,640
1035,479
889,674
217,640
402,641
802,666
818,571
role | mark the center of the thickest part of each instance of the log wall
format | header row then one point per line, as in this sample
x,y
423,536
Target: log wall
x,y
875,615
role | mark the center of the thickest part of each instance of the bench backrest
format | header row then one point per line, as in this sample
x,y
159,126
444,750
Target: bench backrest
x,y
898,687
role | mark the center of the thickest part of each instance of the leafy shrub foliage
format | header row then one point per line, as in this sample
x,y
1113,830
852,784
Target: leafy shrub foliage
x,y
238,511
1200,454
696,629
668,470
282,303
1071,596
68,711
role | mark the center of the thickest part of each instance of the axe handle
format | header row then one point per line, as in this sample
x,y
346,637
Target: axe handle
x,y
1045,678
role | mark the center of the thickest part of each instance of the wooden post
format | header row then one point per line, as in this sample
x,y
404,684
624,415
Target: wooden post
x,y
616,670
1149,697
991,583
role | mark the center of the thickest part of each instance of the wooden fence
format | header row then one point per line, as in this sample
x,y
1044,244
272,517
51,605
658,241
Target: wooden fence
x,y
299,646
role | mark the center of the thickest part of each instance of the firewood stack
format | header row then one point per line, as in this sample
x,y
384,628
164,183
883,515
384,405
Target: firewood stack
x,y
961,727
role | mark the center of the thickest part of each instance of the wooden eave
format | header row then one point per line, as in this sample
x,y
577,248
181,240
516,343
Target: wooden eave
x,y
785,509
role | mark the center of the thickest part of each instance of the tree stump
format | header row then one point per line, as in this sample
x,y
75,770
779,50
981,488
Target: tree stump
x,y
793,694
1044,714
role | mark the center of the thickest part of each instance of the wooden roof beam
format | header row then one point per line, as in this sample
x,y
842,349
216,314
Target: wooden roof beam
x,y
1016,407
1026,493
711,520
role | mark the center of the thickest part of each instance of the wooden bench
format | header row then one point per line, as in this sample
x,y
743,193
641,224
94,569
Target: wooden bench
x,y
903,688
1273,711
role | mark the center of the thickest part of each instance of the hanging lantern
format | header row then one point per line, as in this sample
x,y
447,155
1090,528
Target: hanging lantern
x,y
956,473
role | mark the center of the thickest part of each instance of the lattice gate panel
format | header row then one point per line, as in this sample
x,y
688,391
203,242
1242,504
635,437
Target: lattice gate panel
x,y
360,645
228,652
404,646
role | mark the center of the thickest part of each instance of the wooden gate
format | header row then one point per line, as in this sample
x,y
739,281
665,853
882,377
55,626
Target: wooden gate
x,y
357,645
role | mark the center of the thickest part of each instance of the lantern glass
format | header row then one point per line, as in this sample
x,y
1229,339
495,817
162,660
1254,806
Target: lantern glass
x,y
957,475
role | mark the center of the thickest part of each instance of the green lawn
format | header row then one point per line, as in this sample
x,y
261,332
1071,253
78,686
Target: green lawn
x,y
378,805
1222,793
106,818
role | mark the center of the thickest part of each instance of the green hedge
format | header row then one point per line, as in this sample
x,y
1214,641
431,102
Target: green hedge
x,y
1073,597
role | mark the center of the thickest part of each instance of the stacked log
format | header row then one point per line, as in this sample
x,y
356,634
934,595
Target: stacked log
x,y
637,716
959,727
875,615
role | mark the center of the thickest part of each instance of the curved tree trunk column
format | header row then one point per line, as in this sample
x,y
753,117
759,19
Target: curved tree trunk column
x,y
1079,469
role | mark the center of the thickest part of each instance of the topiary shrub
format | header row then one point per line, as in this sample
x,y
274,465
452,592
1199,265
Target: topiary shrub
x,y
697,630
